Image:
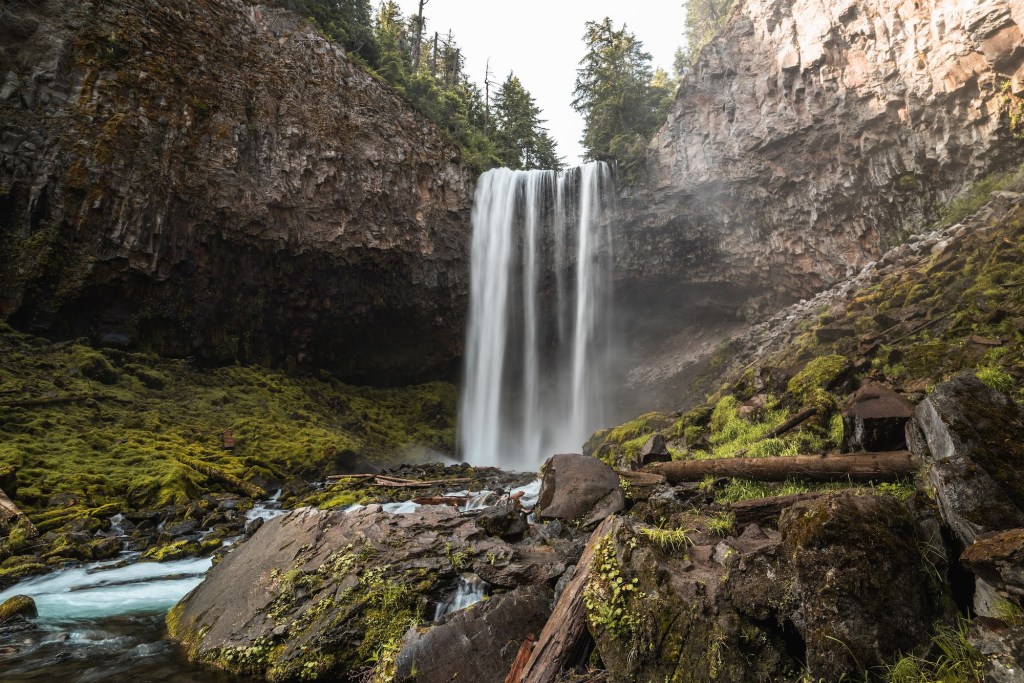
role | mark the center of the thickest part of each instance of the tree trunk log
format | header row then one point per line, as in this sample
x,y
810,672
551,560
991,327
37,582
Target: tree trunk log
x,y
853,467
763,510
564,633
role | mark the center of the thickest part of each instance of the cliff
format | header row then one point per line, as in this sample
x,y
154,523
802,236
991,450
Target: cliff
x,y
215,179
811,135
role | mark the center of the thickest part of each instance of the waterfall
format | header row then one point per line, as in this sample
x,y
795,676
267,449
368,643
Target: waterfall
x,y
539,320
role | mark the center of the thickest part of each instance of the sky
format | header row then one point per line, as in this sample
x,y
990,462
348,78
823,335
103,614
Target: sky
x,y
542,42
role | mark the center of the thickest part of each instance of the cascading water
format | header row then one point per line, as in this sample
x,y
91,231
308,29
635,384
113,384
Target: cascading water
x,y
539,332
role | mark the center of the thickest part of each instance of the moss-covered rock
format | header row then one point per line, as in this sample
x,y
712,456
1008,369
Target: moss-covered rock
x,y
17,606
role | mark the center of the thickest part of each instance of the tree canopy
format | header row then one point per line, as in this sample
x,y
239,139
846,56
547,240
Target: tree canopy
x,y
521,141
704,19
622,99
427,69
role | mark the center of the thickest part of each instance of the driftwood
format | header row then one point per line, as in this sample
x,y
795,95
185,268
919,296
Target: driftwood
x,y
522,658
395,482
454,501
564,636
767,509
854,467
11,513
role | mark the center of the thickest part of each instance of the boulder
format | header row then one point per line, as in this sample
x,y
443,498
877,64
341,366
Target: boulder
x,y
835,590
322,593
998,559
17,606
969,437
858,564
476,644
577,488
875,419
505,521
653,450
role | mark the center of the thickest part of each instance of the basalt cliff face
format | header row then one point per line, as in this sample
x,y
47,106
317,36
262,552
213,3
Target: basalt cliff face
x,y
215,179
812,134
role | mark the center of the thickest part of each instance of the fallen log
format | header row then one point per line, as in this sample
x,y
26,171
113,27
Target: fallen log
x,y
854,467
564,636
522,657
762,510
454,501
395,482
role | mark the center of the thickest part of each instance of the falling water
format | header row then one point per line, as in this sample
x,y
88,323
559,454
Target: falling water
x,y
536,350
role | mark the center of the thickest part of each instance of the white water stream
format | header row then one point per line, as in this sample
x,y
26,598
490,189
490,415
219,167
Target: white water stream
x,y
538,338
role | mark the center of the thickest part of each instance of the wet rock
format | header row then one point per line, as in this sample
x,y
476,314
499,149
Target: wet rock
x,y
345,584
579,488
876,418
505,521
182,528
253,525
17,606
528,565
969,437
476,644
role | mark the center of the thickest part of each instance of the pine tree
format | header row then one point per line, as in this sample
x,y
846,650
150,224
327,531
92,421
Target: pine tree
x,y
521,141
616,91
704,18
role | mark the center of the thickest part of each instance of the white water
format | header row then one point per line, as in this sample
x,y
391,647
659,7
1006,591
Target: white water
x,y
102,589
536,351
470,590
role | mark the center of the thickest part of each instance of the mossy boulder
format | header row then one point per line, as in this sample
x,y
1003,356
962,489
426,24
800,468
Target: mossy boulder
x,y
840,587
861,579
319,594
17,606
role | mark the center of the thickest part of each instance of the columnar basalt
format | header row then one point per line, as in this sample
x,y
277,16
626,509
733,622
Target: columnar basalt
x,y
810,134
216,179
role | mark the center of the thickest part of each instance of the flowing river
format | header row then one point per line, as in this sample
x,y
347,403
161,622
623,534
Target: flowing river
x,y
104,621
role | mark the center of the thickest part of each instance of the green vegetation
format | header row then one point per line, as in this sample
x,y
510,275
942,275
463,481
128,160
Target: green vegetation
x,y
89,432
704,19
608,592
426,68
957,661
622,99
668,539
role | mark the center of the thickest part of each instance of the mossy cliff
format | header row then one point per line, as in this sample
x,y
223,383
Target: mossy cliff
x,y
87,433
216,179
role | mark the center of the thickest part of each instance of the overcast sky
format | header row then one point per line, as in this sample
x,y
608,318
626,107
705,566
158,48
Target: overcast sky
x,y
542,42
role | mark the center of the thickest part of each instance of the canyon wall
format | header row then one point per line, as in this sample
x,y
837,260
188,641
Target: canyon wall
x,y
811,135
215,179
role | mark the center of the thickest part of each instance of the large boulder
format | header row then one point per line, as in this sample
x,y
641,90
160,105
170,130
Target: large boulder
x,y
969,435
834,591
477,644
579,488
876,418
319,593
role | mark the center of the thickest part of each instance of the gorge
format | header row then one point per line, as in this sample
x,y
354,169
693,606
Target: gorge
x,y
250,277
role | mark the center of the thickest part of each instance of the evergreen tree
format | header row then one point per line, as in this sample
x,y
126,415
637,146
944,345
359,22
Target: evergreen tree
x,y
704,19
521,141
616,91
347,22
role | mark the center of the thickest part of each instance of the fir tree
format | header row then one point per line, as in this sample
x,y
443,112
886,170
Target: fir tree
x,y
521,141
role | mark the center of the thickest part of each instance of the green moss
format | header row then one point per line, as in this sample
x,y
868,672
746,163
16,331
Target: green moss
x,y
810,385
17,605
133,431
997,379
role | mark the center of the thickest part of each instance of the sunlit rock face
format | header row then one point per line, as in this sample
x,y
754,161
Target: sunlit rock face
x,y
813,132
215,179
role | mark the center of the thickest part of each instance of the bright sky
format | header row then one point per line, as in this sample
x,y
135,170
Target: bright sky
x,y
542,42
